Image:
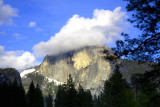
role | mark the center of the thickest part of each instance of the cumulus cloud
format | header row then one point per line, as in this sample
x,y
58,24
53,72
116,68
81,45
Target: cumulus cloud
x,y
32,24
6,13
16,59
103,27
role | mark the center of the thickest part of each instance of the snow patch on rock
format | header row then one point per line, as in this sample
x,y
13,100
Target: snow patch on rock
x,y
55,81
27,71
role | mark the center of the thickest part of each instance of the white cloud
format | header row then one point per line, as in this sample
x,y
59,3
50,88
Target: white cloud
x,y
32,24
6,13
16,59
103,27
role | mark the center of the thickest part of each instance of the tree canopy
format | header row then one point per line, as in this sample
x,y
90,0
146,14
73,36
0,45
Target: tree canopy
x,y
146,17
116,92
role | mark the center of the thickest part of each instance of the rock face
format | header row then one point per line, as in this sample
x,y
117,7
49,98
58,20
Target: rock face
x,y
9,75
89,66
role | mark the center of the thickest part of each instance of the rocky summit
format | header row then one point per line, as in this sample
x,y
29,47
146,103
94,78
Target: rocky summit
x,y
89,66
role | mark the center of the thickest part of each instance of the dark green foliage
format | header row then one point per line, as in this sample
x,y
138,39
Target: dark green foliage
x,y
97,101
146,17
22,99
60,100
34,96
88,100
116,92
146,87
68,96
84,98
38,97
81,96
31,95
12,95
71,93
146,47
49,101
19,92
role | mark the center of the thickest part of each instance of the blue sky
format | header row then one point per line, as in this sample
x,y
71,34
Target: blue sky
x,y
30,29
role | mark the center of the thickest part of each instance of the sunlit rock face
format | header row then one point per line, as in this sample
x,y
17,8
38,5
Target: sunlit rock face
x,y
81,60
88,67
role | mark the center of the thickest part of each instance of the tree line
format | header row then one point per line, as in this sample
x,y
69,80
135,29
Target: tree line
x,y
143,91
14,95
68,96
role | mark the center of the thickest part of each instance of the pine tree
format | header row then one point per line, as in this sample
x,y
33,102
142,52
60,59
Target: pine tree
x,y
15,91
31,96
67,95
116,92
38,97
88,100
49,101
84,97
145,17
81,96
71,93
18,91
60,100
22,99
146,86
97,101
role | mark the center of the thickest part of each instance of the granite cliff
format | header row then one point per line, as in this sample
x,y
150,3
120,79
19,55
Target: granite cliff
x,y
89,66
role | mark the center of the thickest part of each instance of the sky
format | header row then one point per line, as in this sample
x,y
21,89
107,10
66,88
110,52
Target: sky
x,y
31,29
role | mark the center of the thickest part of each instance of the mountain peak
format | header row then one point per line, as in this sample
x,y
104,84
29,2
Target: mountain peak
x,y
89,66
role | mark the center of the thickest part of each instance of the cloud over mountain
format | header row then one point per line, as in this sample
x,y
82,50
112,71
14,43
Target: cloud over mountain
x,y
103,27
16,59
6,13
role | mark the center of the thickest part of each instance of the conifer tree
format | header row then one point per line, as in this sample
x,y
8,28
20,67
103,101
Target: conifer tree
x,y
84,97
60,100
145,17
18,91
67,95
148,86
38,97
15,92
22,98
49,101
31,96
88,100
71,93
81,96
97,101
116,92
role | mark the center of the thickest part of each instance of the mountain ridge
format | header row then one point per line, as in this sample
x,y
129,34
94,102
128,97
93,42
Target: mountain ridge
x,y
89,66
